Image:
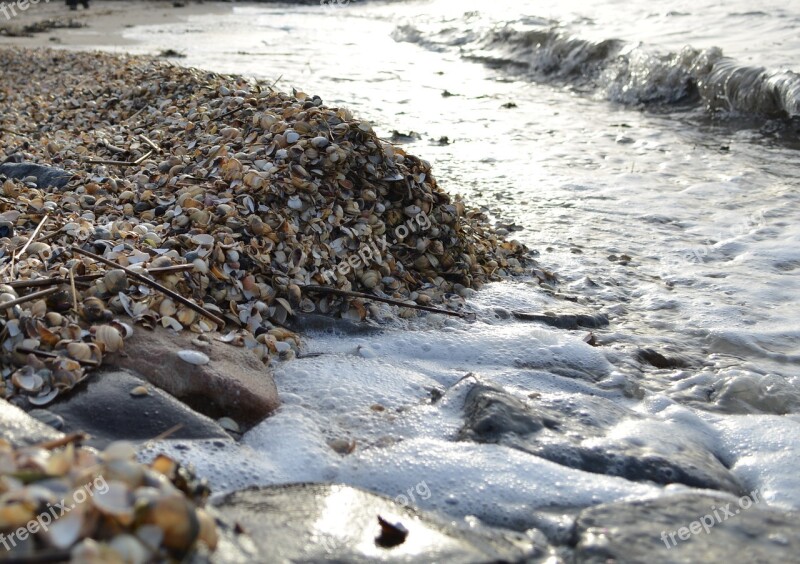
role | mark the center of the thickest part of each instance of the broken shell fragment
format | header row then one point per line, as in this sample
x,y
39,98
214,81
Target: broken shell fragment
x,y
194,357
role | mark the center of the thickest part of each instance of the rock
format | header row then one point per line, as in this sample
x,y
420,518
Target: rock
x,y
105,409
20,429
566,321
632,532
315,322
233,384
337,523
655,358
46,176
576,435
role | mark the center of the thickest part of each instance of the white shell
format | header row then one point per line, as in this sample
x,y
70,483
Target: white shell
x,y
203,239
194,357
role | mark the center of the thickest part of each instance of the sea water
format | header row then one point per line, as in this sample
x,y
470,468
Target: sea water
x,y
648,154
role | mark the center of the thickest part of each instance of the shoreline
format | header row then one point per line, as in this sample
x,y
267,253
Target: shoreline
x,y
103,24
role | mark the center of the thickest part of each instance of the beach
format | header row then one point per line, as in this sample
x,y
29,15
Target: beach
x,y
457,285
102,24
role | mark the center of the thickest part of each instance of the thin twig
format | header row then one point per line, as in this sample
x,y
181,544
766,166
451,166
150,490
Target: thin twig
x,y
29,297
140,110
151,143
326,290
226,114
30,240
171,431
72,286
153,284
62,441
143,158
113,148
114,163
47,354
137,162
272,86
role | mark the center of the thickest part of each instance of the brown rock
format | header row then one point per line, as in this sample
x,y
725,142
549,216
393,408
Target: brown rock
x,y
234,383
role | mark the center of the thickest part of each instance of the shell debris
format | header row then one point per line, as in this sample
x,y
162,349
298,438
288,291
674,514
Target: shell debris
x,y
231,194
118,507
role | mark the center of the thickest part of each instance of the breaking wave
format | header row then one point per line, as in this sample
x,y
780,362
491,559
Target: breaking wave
x,y
623,72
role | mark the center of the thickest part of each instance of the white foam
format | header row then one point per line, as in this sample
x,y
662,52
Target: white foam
x,y
501,486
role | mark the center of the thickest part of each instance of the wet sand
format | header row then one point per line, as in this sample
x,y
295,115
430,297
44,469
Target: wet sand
x,y
105,21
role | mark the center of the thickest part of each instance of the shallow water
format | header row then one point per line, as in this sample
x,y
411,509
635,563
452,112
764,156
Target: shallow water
x,y
674,214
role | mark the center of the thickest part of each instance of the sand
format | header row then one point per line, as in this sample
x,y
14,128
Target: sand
x,y
105,21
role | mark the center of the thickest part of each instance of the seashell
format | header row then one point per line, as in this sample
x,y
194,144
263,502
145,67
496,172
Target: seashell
x,y
79,350
203,239
44,397
94,310
115,500
109,336
54,319
171,323
175,516
208,529
193,357
140,391
119,450
167,307
27,380
370,279
186,316
66,530
129,549
125,329
39,248
228,424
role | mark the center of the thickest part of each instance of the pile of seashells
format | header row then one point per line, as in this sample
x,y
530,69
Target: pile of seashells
x,y
66,502
230,194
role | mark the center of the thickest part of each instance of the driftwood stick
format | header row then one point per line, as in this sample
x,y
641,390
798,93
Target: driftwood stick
x,y
58,280
29,297
47,354
326,290
153,284
38,283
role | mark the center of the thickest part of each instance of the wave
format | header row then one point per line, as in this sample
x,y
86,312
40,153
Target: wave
x,y
622,72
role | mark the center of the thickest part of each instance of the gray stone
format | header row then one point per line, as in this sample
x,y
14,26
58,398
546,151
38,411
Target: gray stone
x,y
337,523
105,409
634,532
20,429
558,433
46,176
